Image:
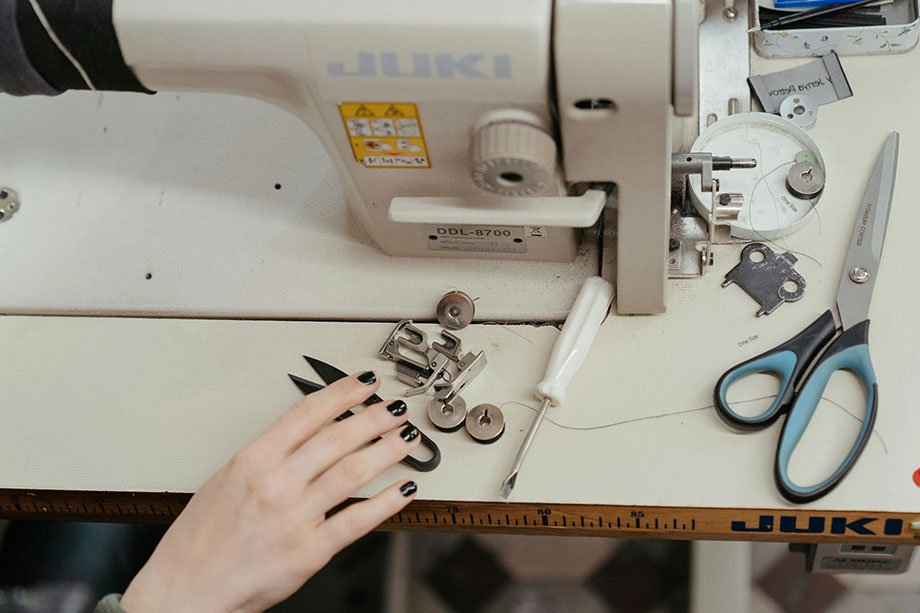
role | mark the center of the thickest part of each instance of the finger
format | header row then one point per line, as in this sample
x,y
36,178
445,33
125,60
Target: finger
x,y
311,412
353,522
358,468
336,441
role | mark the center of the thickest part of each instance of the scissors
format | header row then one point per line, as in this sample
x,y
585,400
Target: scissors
x,y
824,348
330,374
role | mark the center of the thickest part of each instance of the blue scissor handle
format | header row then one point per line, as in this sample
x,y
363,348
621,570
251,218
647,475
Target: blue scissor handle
x,y
850,351
788,361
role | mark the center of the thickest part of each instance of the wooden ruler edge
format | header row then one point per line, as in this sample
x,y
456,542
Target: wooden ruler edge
x,y
621,521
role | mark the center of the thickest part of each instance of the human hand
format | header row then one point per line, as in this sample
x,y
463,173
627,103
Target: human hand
x,y
257,529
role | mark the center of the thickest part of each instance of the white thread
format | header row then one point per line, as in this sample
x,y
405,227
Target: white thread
x,y
57,42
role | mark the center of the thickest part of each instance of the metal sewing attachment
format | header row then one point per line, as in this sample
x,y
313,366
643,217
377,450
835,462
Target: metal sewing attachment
x,y
767,277
424,365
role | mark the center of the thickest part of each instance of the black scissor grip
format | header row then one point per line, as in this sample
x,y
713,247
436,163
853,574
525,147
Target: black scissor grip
x,y
308,387
789,360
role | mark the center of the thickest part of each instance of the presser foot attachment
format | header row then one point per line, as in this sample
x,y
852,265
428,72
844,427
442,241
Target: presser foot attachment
x,y
439,364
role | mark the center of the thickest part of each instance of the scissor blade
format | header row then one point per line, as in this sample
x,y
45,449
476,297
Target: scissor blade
x,y
327,372
330,374
306,386
854,297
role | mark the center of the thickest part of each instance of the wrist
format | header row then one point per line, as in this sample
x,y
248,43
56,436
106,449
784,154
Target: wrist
x,y
148,593
153,592
140,597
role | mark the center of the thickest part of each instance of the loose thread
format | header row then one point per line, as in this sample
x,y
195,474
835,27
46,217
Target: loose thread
x,y
684,412
776,206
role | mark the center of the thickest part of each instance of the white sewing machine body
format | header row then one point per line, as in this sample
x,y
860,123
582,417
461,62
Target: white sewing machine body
x,y
402,98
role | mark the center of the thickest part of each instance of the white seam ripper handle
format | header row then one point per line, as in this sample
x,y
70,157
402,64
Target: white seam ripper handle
x,y
574,342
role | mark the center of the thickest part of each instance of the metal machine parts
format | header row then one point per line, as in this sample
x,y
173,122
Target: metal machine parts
x,y
767,277
805,180
447,416
485,423
800,110
426,364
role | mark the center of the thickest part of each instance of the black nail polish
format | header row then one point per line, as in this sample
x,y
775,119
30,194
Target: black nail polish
x,y
408,489
397,408
409,434
367,378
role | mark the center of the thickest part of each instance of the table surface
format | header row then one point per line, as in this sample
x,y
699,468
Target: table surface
x,y
154,404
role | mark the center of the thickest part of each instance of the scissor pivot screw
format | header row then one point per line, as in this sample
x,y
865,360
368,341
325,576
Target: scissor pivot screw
x,y
859,275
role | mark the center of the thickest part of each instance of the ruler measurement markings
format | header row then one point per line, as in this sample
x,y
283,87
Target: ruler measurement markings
x,y
664,522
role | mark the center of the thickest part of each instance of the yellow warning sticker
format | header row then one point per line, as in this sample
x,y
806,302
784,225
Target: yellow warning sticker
x,y
385,134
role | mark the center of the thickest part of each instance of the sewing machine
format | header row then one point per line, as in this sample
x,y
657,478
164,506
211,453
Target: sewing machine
x,y
473,130
213,228
461,130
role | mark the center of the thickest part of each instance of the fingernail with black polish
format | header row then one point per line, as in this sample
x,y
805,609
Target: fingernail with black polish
x,y
367,378
397,408
409,434
408,489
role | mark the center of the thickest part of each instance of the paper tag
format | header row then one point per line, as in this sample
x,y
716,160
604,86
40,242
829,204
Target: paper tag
x,y
822,80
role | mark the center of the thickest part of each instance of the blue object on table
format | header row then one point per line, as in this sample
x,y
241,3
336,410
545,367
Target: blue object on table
x,y
808,4
820,351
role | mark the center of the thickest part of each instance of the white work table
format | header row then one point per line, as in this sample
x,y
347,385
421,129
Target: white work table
x,y
113,382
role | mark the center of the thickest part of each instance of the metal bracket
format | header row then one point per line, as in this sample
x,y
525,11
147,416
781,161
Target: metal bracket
x,y
470,366
764,276
725,59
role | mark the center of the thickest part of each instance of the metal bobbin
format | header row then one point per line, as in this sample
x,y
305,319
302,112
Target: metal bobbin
x,y
805,180
455,310
485,423
447,416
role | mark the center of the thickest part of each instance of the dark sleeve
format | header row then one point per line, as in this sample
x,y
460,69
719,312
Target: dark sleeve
x,y
85,29
17,75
